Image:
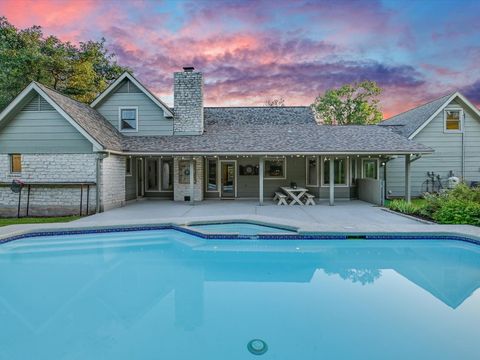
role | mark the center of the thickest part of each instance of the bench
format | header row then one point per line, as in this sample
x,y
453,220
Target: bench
x,y
309,199
281,198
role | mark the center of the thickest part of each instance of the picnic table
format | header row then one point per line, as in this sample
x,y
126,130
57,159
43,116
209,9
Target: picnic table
x,y
295,194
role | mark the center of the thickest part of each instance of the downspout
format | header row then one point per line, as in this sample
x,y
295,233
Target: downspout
x,y
98,192
463,147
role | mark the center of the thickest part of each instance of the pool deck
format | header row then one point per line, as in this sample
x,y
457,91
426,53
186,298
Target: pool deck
x,y
345,217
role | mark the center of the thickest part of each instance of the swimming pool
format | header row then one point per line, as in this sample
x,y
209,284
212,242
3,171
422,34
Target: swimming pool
x,y
166,294
242,228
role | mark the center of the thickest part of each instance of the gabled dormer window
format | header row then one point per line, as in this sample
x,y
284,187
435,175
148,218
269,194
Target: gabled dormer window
x,y
128,118
453,120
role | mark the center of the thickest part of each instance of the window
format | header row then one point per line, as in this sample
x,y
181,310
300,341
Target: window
x,y
152,174
312,171
353,171
453,120
184,172
128,166
370,168
16,163
167,174
128,118
275,169
339,171
212,176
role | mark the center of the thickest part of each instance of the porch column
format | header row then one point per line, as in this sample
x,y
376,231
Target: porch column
x,y
332,181
408,179
192,182
260,177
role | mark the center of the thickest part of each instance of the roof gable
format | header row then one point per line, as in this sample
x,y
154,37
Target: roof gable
x,y
411,122
126,75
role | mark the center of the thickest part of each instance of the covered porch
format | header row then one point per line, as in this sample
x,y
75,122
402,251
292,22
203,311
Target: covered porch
x,y
193,178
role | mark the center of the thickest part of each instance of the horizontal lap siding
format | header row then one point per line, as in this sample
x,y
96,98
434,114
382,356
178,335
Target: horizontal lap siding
x,y
42,132
151,118
447,156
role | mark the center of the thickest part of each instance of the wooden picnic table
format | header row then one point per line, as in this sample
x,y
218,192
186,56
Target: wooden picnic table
x,y
295,194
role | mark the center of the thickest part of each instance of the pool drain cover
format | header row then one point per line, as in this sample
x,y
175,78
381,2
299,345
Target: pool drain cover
x,y
257,347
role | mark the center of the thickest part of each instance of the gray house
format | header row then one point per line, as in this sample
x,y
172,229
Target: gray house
x,y
127,145
449,125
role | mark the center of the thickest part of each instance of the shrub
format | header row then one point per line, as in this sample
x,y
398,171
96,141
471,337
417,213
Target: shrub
x,y
458,211
403,207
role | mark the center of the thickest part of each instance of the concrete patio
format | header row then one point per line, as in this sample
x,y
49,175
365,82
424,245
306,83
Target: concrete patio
x,y
345,214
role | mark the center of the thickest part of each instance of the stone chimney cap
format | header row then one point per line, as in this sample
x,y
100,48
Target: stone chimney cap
x,y
188,68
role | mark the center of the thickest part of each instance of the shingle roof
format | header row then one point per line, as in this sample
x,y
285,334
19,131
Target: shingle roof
x,y
89,119
407,122
274,130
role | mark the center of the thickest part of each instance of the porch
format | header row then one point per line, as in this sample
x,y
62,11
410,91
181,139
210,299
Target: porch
x,y
252,177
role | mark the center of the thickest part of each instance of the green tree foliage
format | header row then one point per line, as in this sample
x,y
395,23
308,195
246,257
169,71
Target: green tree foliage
x,y
351,104
81,71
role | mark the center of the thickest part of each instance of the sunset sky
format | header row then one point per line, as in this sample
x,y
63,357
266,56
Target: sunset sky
x,y
250,51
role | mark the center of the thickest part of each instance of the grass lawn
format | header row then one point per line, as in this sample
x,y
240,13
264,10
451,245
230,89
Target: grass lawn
x,y
37,220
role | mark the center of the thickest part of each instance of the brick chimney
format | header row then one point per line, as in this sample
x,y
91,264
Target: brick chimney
x,y
188,102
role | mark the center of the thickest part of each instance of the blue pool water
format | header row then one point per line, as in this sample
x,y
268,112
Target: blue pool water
x,y
240,228
170,295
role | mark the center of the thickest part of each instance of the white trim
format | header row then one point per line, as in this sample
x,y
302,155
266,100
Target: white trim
x,y
220,183
449,100
268,154
206,175
126,75
67,117
306,171
347,173
284,177
378,167
461,119
120,108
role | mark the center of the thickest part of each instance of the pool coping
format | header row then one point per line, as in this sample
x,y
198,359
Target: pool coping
x,y
463,232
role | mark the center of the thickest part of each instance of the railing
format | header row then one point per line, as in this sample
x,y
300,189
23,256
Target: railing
x,y
29,186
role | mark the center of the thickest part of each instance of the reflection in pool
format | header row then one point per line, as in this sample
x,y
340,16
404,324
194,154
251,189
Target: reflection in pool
x,y
170,295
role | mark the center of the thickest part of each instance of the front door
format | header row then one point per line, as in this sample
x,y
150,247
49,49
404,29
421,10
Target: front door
x,y
140,177
229,179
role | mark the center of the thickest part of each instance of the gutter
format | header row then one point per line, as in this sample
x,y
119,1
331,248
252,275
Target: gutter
x,y
265,153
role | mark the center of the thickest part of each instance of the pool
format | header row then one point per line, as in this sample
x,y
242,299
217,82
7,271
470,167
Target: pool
x,y
242,228
166,294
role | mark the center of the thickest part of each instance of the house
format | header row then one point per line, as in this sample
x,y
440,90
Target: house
x,y
74,158
450,125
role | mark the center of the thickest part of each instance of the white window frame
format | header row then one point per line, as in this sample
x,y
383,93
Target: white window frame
x,y
218,175
378,167
347,171
307,177
130,160
284,168
11,163
120,108
445,130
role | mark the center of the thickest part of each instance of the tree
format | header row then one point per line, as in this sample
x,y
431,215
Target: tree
x,y
351,104
275,102
81,71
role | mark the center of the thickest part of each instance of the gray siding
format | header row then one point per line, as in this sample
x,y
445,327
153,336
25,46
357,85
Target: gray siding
x,y
41,132
447,156
151,120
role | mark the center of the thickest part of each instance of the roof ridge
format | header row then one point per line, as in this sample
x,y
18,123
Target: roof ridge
x,y
62,94
256,107
419,106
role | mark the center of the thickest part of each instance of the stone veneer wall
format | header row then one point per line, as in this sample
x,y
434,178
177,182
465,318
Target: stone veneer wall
x,y
49,200
188,103
182,190
112,183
